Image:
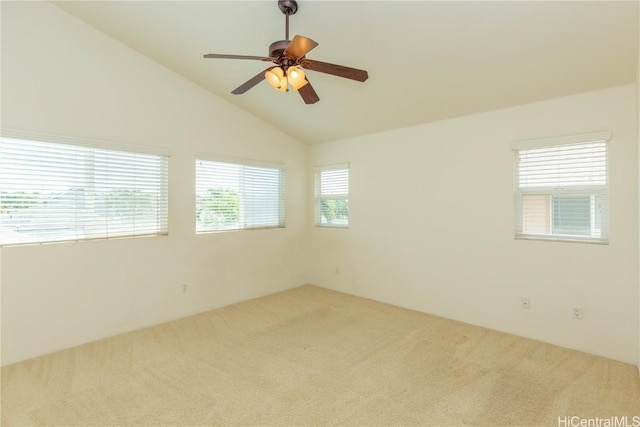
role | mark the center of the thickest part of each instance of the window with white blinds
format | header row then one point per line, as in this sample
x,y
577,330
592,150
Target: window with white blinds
x,y
231,196
53,192
332,196
562,189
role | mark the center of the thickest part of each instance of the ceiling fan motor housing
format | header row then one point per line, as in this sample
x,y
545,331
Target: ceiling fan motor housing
x,y
277,48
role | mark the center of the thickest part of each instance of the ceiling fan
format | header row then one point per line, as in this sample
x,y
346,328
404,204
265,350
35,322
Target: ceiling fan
x,y
289,59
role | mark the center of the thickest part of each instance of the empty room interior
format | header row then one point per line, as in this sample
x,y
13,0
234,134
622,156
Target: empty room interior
x,y
320,213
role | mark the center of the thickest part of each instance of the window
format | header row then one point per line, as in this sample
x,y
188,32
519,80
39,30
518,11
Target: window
x,y
561,188
332,196
60,192
232,196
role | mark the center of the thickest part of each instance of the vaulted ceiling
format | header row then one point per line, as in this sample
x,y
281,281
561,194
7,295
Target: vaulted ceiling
x,y
426,60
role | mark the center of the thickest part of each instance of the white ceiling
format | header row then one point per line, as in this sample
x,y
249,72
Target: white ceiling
x,y
426,60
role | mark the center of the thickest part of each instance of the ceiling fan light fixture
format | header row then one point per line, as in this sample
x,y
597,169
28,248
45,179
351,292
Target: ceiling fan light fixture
x,y
296,77
287,54
276,78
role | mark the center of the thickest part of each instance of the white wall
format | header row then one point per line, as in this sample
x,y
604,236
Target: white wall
x,y
432,221
638,123
60,76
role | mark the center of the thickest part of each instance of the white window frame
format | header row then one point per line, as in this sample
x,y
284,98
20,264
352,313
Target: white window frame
x,y
86,223
244,221
595,191
319,197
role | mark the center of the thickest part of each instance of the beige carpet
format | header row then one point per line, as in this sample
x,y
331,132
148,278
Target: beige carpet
x,y
310,356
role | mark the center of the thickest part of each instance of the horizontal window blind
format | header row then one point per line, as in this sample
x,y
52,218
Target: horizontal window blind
x,y
332,196
563,166
59,192
232,196
562,192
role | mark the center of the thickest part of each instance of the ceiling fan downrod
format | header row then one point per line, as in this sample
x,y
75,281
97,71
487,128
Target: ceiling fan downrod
x,y
287,7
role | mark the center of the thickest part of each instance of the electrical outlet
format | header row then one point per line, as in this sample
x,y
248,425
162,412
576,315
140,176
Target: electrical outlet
x,y
577,312
525,302
183,288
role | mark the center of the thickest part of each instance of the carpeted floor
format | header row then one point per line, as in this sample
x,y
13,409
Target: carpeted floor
x,y
311,356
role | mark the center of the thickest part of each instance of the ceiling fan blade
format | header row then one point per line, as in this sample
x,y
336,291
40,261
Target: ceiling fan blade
x,y
308,94
299,47
336,70
216,55
250,83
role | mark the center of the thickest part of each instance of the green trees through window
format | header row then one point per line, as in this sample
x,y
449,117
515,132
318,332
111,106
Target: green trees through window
x,y
55,191
332,196
335,210
234,196
16,200
218,208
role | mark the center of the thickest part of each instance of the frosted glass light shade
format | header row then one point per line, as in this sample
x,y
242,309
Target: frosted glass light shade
x,y
296,77
276,78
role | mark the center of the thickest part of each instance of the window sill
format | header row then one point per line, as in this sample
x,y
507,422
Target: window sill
x,y
564,239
